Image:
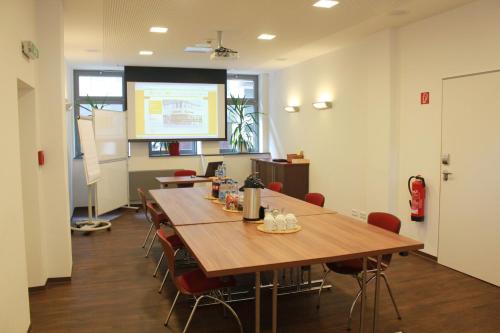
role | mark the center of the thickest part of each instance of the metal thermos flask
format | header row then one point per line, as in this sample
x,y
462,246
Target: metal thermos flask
x,y
251,204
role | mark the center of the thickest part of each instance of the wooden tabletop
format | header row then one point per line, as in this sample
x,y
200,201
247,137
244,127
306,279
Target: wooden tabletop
x,y
182,180
236,248
185,206
294,206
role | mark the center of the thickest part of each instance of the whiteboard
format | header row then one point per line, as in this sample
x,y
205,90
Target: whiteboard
x,y
112,188
110,129
89,150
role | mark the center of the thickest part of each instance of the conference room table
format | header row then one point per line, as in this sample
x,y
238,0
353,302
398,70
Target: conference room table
x,y
175,180
225,245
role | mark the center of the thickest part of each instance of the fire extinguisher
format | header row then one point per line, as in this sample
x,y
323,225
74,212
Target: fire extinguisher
x,y
416,186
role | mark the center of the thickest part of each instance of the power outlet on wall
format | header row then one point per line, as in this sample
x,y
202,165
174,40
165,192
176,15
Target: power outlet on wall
x,y
354,212
362,215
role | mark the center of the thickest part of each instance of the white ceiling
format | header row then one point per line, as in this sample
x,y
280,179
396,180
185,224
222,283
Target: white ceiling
x,y
111,32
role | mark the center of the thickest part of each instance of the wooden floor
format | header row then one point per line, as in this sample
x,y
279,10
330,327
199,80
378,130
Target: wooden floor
x,y
112,290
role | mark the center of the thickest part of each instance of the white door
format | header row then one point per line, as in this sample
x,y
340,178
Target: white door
x,y
469,230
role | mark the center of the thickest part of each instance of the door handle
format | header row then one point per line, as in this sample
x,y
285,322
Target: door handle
x,y
446,174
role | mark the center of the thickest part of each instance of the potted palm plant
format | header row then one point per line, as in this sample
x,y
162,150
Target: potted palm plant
x,y
243,124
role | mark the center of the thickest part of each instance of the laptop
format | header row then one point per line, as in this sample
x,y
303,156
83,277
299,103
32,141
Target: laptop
x,y
211,167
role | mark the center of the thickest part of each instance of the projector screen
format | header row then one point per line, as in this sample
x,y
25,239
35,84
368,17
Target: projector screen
x,y
182,111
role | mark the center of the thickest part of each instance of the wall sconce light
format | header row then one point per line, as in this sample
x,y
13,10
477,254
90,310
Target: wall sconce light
x,y
322,105
291,109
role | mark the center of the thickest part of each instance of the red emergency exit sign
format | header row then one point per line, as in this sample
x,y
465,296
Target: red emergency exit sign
x,y
424,97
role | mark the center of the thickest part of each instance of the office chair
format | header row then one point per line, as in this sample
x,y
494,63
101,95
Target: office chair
x,y
275,186
315,198
173,239
196,284
354,267
180,173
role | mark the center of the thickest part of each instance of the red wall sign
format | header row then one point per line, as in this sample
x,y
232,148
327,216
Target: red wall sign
x,y
424,97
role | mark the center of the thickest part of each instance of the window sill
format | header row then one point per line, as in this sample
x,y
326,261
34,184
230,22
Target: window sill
x,y
220,154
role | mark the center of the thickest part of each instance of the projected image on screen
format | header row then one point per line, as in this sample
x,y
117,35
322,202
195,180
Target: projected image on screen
x,y
176,110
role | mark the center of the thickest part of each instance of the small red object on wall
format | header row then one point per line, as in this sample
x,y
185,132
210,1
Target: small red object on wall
x,y
173,148
424,97
41,158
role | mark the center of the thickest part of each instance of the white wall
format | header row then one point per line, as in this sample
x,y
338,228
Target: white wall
x,y
377,135
349,145
14,307
54,195
461,41
38,21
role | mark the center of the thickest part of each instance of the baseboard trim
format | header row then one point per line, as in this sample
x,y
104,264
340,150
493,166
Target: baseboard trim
x,y
57,280
425,255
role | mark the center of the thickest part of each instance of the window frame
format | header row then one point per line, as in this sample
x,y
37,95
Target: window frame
x,y
78,100
183,152
252,102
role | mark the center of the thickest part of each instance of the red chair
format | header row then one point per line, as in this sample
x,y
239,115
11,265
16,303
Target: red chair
x,y
173,239
180,173
196,284
163,217
316,199
354,267
276,186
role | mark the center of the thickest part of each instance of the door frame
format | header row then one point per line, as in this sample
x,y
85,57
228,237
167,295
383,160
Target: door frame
x,y
441,143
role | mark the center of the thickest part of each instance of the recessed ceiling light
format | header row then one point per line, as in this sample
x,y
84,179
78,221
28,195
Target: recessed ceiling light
x,y
160,30
146,52
266,36
326,3
198,49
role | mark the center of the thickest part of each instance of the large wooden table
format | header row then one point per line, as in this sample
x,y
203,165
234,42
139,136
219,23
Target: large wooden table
x,y
186,206
238,247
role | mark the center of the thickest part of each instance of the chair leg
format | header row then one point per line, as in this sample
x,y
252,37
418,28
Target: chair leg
x,y
147,236
349,319
321,288
163,281
390,294
151,245
166,274
171,308
192,313
217,300
158,265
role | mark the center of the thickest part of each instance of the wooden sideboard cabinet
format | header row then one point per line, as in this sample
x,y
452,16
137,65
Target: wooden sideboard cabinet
x,y
294,177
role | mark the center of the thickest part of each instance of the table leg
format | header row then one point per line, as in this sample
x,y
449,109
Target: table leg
x,y
257,302
363,297
275,302
377,292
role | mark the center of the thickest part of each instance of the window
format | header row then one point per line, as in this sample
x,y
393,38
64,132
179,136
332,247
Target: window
x,y
160,148
243,86
96,89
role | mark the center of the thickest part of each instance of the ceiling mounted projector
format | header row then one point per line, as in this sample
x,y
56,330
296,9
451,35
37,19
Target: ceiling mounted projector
x,y
221,52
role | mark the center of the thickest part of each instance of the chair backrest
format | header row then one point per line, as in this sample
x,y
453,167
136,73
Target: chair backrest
x,y
180,173
317,199
388,222
142,196
168,249
275,186
155,215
